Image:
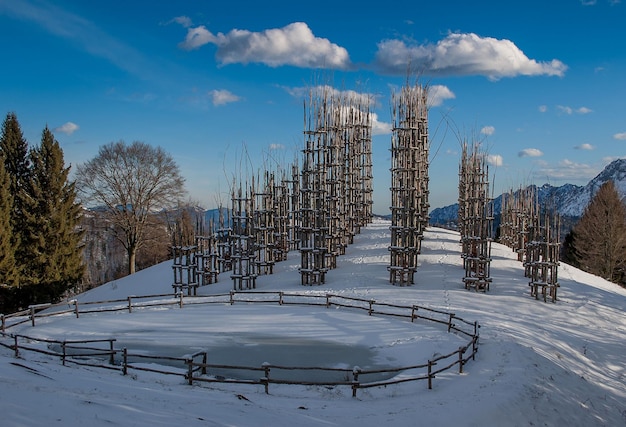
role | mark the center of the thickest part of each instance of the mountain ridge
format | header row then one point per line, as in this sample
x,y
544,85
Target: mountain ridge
x,y
568,200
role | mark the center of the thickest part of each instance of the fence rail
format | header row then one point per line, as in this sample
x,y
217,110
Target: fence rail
x,y
194,368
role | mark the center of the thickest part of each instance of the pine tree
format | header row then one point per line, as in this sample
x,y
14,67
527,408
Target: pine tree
x,y
15,153
52,215
8,269
599,238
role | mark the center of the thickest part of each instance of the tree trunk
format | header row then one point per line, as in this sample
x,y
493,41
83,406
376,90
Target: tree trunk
x,y
132,255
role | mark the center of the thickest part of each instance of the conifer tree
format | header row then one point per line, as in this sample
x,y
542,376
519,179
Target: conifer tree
x,y
52,216
8,271
599,238
15,155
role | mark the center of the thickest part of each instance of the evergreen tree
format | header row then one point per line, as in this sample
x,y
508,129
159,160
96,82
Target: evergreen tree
x,y
52,240
14,148
599,238
8,271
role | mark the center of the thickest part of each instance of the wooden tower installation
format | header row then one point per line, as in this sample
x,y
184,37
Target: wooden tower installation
x,y
542,256
409,181
263,226
475,218
312,229
242,245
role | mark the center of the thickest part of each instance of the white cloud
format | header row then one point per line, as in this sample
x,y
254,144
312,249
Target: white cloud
x,y
566,170
495,160
543,108
276,146
569,110
378,127
620,136
185,21
437,94
585,147
67,128
488,130
223,96
530,152
365,99
609,159
564,109
294,44
197,37
463,54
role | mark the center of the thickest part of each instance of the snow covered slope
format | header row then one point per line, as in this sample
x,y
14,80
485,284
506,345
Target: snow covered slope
x,y
538,363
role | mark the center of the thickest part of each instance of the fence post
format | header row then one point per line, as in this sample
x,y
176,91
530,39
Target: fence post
x,y
180,302
474,347
32,315
461,352
112,356
370,310
413,309
204,361
232,297
125,362
450,321
327,300
475,340
280,298
430,375
355,379
189,363
3,322
17,351
76,308
63,357
266,379
130,304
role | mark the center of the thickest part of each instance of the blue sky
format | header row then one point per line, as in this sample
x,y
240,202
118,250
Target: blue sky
x,y
219,85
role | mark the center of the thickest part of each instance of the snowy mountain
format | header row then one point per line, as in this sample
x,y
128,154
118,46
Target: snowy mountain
x,y
568,200
538,363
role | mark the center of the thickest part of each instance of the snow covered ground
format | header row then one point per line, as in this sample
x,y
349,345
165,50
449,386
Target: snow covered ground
x,y
538,363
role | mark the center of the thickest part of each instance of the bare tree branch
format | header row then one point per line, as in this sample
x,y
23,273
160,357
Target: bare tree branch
x,y
131,182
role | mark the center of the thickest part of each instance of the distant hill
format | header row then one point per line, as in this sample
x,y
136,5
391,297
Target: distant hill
x,y
568,200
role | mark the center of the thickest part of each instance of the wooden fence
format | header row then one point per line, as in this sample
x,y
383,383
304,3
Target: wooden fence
x,y
194,368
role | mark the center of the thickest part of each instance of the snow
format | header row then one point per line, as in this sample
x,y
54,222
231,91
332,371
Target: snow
x,y
548,364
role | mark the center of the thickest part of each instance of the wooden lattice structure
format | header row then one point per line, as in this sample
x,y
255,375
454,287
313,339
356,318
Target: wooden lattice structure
x,y
241,240
185,268
519,210
357,170
312,229
316,206
475,218
336,179
207,256
263,227
281,211
542,255
409,181
222,240
294,222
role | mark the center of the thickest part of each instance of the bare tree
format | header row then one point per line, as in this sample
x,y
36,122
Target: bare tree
x,y
131,182
599,238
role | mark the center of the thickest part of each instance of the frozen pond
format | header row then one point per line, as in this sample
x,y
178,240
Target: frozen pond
x,y
251,335
252,350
